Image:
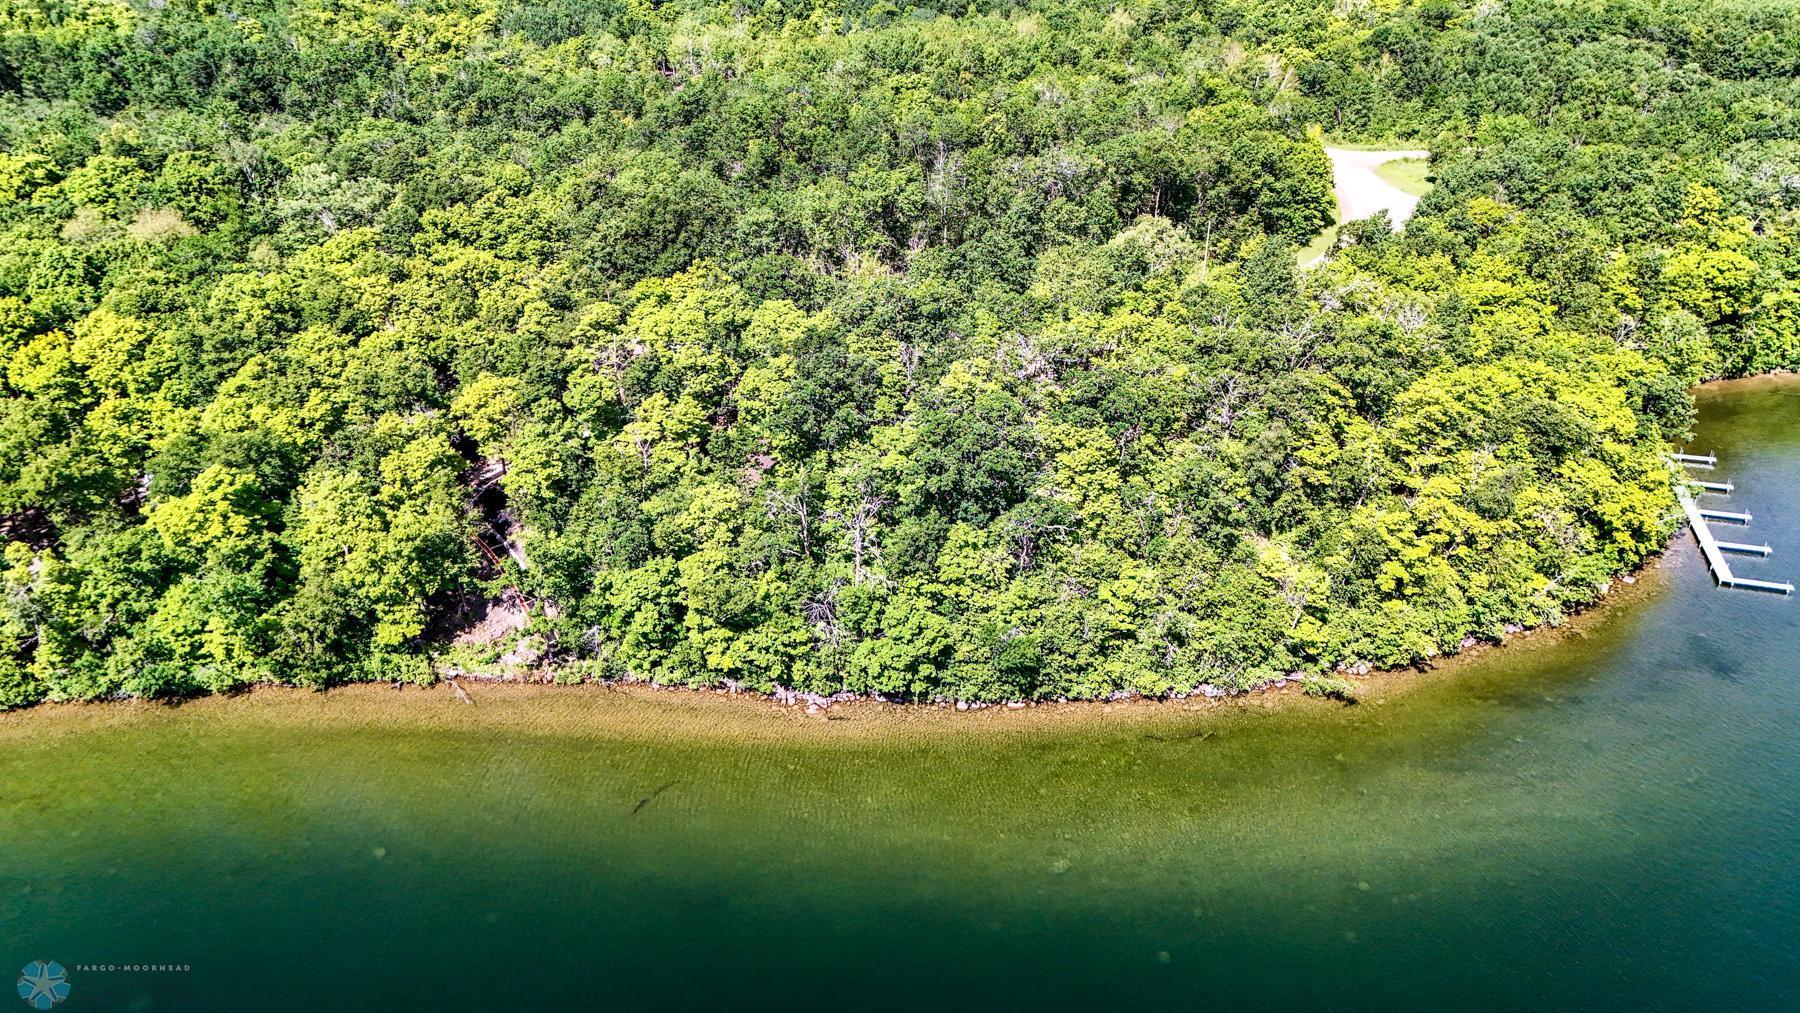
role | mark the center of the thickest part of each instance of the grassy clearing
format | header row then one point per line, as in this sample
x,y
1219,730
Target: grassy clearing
x,y
1409,175
1311,253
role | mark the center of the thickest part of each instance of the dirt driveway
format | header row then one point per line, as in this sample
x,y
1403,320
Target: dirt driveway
x,y
1361,193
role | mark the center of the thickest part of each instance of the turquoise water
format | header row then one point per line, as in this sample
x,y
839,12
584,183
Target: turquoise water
x,y
1600,818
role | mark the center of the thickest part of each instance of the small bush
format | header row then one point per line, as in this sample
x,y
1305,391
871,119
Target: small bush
x,y
1329,687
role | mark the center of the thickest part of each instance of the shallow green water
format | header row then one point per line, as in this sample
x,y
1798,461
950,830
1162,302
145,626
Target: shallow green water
x,y
1602,820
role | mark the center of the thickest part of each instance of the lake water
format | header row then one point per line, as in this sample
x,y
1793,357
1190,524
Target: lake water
x,y
1604,817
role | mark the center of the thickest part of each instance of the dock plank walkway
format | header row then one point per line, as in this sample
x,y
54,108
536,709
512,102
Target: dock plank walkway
x,y
1715,553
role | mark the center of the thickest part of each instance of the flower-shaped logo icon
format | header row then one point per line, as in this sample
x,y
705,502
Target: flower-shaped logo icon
x,y
43,984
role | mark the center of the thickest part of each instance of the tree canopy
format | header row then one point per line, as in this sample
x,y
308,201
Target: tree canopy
x,y
842,346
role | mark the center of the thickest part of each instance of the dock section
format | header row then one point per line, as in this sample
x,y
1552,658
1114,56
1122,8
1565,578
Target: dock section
x,y
1713,549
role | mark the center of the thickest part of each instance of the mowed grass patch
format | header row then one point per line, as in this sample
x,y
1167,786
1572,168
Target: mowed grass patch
x,y
1314,251
1410,175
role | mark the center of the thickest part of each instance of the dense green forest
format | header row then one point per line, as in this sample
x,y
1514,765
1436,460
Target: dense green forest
x,y
846,346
